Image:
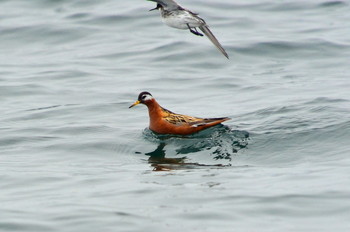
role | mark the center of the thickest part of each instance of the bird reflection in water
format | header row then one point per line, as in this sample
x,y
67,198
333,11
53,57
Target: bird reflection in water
x,y
158,160
221,143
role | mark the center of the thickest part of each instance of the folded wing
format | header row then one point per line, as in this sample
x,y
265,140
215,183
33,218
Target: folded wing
x,y
179,119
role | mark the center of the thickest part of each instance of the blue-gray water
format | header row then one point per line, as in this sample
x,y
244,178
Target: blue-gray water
x,y
73,157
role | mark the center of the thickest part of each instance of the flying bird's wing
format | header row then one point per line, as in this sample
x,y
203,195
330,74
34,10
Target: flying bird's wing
x,y
210,35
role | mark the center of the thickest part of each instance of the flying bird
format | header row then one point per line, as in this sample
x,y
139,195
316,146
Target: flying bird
x,y
176,16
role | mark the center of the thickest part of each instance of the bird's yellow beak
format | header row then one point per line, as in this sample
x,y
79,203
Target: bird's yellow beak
x,y
136,103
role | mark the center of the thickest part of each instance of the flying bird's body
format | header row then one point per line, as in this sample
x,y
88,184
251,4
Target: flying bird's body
x,y
163,121
178,17
181,19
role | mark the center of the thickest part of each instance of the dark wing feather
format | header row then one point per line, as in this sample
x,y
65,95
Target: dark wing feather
x,y
212,38
206,121
179,119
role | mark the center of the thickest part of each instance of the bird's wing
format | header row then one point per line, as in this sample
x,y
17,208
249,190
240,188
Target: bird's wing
x,y
212,38
206,121
179,119
192,19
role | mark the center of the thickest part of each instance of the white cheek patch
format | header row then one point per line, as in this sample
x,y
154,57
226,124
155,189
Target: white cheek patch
x,y
148,97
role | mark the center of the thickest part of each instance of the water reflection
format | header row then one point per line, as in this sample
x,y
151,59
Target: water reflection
x,y
158,160
220,142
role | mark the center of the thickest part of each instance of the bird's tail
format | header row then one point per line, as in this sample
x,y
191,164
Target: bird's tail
x,y
212,38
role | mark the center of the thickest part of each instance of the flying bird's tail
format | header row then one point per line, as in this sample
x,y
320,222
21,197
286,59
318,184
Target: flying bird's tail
x,y
212,38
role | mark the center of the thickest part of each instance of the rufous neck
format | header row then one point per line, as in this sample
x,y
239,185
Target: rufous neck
x,y
153,106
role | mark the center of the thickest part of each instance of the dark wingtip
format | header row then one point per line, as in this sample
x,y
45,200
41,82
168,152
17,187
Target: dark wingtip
x,y
224,119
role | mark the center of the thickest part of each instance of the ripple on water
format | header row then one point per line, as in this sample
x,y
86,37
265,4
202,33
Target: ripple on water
x,y
218,144
301,49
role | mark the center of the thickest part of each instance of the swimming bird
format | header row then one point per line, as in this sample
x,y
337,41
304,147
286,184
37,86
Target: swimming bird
x,y
163,121
176,16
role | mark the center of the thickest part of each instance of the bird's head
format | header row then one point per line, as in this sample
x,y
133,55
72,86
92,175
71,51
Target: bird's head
x,y
144,98
158,7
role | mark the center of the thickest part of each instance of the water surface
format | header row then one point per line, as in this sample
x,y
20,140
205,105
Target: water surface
x,y
73,157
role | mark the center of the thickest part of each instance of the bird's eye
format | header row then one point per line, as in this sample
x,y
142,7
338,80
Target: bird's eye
x,y
143,97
